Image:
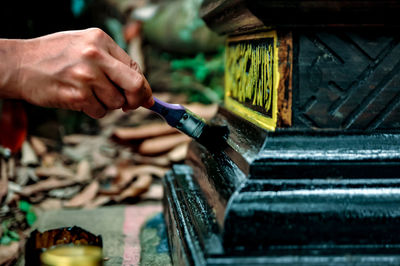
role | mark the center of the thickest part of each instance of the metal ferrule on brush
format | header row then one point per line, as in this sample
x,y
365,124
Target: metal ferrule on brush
x,y
191,125
179,117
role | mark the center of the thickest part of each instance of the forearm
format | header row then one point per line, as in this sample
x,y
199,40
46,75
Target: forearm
x,y
10,57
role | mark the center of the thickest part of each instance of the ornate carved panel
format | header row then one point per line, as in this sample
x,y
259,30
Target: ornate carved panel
x,y
347,80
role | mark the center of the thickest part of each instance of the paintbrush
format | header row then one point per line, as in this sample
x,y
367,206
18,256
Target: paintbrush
x,y
177,116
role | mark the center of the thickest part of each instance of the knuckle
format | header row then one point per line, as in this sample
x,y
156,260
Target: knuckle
x,y
113,65
79,97
97,34
134,65
139,82
91,52
84,73
73,98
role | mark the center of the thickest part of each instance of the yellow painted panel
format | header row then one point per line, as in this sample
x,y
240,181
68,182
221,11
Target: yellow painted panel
x,y
252,78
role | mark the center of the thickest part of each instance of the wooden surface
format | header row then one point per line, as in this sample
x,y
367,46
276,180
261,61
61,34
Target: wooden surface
x,y
326,79
227,17
285,57
326,198
347,80
237,16
326,13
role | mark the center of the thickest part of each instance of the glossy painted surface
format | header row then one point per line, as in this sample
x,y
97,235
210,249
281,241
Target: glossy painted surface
x,y
195,237
317,193
287,197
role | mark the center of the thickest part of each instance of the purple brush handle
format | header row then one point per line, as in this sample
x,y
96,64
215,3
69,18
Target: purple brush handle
x,y
172,113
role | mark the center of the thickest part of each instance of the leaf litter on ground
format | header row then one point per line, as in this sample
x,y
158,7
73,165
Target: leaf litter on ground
x,y
124,161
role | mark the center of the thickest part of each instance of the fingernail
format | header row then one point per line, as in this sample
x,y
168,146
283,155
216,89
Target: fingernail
x,y
150,102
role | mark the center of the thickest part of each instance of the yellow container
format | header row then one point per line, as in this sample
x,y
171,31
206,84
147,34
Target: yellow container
x,y
72,256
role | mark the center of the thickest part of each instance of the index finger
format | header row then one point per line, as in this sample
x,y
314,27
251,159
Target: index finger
x,y
135,86
147,104
118,53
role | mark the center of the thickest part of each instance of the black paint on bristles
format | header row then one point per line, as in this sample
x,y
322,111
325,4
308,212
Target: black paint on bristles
x,y
214,136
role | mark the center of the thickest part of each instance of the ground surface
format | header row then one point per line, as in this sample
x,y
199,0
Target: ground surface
x,y
118,225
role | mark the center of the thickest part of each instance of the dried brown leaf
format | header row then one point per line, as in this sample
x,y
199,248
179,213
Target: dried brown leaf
x,y
171,97
155,192
49,159
50,204
112,189
11,169
110,172
38,146
65,193
75,139
99,160
3,168
127,174
56,171
178,153
37,197
143,131
114,117
9,253
87,194
46,185
98,201
138,187
14,187
24,174
135,50
162,144
11,198
202,110
3,180
140,115
162,160
111,118
28,155
83,171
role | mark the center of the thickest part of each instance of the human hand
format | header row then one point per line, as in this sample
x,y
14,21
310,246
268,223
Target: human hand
x,y
79,70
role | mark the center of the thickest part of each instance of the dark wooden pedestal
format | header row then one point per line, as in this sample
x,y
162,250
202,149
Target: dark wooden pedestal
x,y
195,238
314,179
299,198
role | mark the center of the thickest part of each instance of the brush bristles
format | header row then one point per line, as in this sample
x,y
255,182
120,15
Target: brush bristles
x,y
214,136
211,136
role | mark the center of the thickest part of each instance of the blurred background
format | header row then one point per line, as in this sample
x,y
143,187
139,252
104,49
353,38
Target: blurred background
x,y
64,159
168,39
